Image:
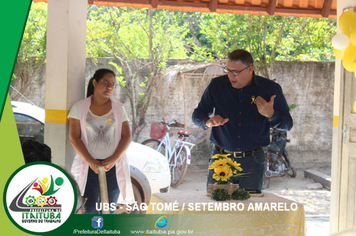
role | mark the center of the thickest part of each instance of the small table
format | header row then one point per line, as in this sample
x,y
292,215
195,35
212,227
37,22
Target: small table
x,y
197,214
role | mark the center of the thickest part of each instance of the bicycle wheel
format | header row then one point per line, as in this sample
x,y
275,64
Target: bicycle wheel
x,y
290,170
178,167
154,143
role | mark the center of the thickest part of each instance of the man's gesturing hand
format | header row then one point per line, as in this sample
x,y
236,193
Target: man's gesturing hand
x,y
265,108
216,121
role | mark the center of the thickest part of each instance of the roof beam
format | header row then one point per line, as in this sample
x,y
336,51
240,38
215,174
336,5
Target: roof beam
x,y
184,4
141,2
277,10
326,8
154,3
303,11
242,8
213,4
271,7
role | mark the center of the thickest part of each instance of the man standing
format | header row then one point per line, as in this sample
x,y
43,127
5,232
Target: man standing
x,y
246,106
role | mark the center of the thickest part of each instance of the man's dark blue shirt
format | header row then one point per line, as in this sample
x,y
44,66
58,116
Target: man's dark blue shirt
x,y
246,129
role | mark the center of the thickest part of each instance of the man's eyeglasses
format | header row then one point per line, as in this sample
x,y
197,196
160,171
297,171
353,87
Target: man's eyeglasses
x,y
226,70
107,83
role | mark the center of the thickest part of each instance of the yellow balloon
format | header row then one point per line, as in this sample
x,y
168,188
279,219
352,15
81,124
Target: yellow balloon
x,y
349,58
355,106
347,21
353,36
339,54
350,53
348,66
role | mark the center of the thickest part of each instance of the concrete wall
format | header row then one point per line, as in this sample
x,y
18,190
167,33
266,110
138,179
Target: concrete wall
x,y
309,85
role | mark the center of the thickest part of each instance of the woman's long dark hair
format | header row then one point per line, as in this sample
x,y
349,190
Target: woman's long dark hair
x,y
98,75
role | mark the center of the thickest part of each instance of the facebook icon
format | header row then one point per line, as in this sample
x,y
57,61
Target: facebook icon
x,y
97,222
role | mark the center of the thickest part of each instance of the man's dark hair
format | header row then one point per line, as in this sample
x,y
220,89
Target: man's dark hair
x,y
35,151
241,55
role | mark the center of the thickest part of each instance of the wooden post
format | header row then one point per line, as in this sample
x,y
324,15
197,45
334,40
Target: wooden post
x,y
160,90
185,104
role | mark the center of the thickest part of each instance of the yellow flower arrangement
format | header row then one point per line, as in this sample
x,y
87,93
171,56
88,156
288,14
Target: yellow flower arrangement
x,y
222,173
218,164
234,165
225,168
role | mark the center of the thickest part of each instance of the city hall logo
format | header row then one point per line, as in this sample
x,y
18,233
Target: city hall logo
x,y
39,197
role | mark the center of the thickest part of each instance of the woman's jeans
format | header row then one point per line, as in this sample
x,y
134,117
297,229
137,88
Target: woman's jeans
x,y
254,165
92,191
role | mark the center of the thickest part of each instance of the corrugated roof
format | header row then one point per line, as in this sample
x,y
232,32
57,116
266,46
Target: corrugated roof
x,y
300,8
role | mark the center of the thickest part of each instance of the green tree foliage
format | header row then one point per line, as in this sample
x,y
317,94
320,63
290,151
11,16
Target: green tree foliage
x,y
268,38
142,40
32,53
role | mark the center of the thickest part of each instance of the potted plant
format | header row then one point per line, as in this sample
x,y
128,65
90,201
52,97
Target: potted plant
x,y
225,169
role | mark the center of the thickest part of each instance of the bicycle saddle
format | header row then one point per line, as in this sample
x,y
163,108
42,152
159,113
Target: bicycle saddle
x,y
185,134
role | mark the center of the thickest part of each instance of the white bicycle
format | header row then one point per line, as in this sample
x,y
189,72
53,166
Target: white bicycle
x,y
179,156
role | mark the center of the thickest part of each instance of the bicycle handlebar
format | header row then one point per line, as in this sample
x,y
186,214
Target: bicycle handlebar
x,y
173,124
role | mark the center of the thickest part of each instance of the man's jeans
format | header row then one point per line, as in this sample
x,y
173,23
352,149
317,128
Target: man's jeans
x,y
92,191
254,165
